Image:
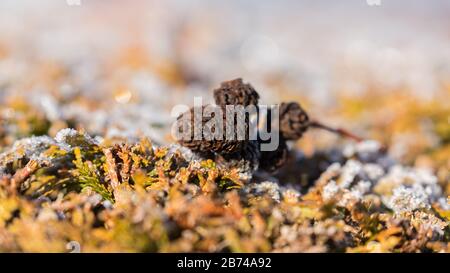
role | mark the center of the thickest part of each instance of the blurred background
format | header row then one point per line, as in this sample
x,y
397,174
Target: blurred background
x,y
116,68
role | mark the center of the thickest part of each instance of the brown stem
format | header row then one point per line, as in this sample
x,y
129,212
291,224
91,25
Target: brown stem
x,y
339,131
112,169
23,174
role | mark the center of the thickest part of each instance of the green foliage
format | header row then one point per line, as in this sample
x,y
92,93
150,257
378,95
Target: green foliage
x,y
86,174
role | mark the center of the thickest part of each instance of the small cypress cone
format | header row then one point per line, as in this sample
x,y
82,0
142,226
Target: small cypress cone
x,y
273,160
294,121
207,143
235,92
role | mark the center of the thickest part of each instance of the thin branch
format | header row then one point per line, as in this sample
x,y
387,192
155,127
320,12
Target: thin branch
x,y
23,174
339,131
111,167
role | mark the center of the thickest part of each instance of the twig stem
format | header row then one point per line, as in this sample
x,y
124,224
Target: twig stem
x,y
339,131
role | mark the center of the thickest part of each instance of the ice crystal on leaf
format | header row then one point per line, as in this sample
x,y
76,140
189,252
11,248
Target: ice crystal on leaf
x,y
265,188
29,148
330,190
70,138
405,199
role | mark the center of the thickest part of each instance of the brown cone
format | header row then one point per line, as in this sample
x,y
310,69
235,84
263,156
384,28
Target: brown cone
x,y
211,144
294,120
235,92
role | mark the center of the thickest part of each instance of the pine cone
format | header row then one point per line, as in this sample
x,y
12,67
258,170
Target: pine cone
x,y
207,143
235,92
294,120
273,160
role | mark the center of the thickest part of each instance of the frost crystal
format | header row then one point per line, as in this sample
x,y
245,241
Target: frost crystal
x,y
368,151
405,199
362,188
399,175
354,180
330,190
69,138
428,221
31,148
63,134
373,171
364,150
270,188
335,167
349,172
